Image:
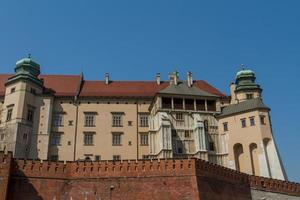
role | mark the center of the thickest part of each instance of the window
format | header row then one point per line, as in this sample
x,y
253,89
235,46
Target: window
x,y
249,96
116,157
179,116
88,138
144,139
55,139
211,105
12,90
178,103
166,102
32,90
200,104
117,119
97,157
87,157
174,133
262,119
187,134
252,121
146,157
243,122
225,126
54,158
2,137
89,119
25,136
116,139
129,123
30,113
211,146
57,120
189,104
71,122
9,114
143,119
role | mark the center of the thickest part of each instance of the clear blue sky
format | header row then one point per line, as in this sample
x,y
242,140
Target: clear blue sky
x,y
132,40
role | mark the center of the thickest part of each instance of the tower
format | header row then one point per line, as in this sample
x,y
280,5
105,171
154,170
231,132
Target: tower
x,y
245,87
22,107
247,124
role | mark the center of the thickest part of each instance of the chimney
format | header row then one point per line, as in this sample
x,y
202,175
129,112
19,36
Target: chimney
x,y
232,93
173,78
190,79
106,78
158,78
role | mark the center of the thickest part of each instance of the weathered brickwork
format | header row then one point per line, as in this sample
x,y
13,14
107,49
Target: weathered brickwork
x,y
151,179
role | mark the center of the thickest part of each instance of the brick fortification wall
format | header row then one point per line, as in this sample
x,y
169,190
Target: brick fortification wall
x,y
156,179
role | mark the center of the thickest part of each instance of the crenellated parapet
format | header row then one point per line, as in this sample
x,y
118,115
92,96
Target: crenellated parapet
x,y
274,185
204,173
102,169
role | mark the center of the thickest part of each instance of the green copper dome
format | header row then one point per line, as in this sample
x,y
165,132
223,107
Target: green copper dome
x,y
245,80
26,69
245,72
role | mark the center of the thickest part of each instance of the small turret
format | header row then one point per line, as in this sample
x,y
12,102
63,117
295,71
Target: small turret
x,y
27,69
245,86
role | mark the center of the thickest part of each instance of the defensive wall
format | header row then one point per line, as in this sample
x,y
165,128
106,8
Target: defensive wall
x,y
134,179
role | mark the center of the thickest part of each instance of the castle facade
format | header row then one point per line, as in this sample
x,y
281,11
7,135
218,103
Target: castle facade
x,y
65,117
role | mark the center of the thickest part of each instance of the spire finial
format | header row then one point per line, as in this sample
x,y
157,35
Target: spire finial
x,y
243,66
29,55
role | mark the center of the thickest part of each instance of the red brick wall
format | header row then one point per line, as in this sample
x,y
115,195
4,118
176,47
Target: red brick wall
x,y
5,166
157,179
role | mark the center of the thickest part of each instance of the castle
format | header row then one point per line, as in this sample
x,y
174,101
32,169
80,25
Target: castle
x,y
65,117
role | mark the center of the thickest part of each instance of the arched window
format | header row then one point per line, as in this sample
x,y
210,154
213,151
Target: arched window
x,y
238,152
254,158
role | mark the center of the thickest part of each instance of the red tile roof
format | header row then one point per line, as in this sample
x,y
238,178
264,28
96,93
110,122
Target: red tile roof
x,y
3,79
121,88
60,85
67,85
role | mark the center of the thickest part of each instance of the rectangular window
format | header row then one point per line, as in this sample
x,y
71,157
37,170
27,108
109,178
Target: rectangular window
x,y
117,119
116,157
2,137
187,134
249,96
146,157
89,119
225,126
30,114
32,90
116,139
262,119
144,139
211,105
9,114
97,157
166,102
252,121
179,116
211,146
88,138
200,104
56,139
12,90
243,122
189,104
143,119
57,120
178,103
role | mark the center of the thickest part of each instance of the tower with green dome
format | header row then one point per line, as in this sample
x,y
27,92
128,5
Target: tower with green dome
x,y
23,101
245,86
